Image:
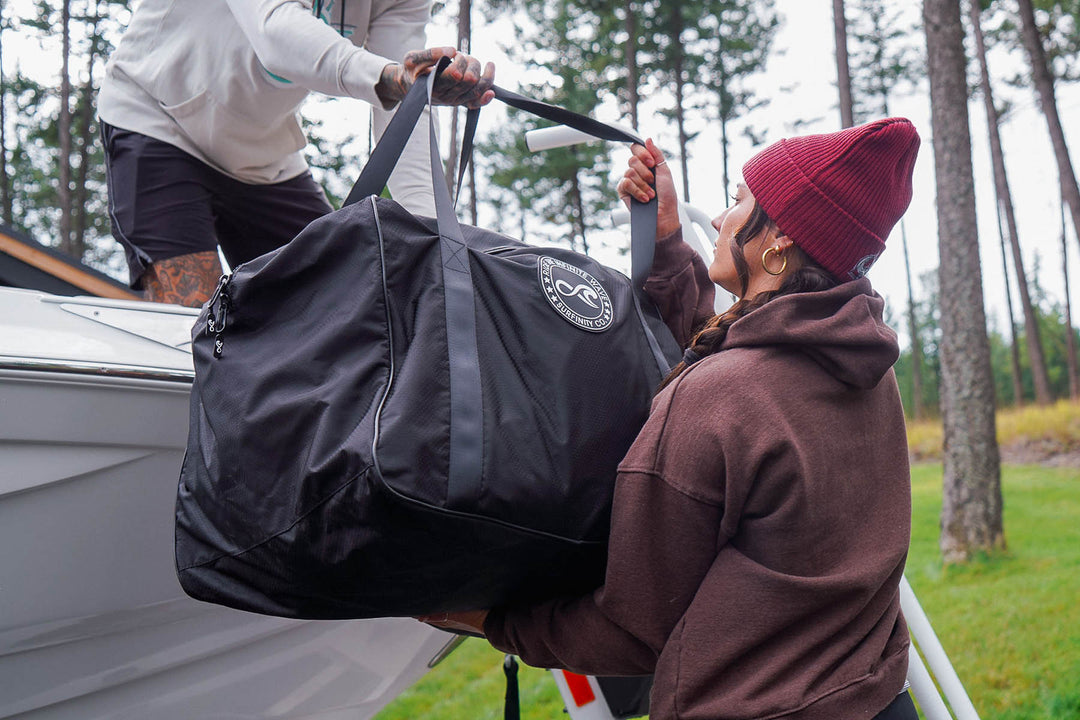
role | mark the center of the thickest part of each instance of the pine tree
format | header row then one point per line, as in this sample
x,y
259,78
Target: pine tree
x,y
565,188
884,60
843,73
1070,336
5,180
971,519
1043,80
1005,205
56,163
675,53
623,24
739,36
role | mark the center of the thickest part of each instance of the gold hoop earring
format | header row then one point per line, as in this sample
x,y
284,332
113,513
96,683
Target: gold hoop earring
x,y
765,264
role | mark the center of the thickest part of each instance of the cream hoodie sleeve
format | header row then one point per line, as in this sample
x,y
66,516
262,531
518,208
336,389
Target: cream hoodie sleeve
x,y
294,44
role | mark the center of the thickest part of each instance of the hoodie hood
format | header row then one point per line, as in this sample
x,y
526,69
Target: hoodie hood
x,y
841,329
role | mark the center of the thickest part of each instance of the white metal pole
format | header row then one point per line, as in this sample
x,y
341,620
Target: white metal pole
x,y
931,648
923,688
562,136
553,137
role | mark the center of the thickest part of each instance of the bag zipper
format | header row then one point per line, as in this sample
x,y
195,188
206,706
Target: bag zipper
x,y
216,320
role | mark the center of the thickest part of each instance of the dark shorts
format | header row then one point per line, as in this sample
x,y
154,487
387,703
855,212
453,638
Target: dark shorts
x,y
902,708
163,203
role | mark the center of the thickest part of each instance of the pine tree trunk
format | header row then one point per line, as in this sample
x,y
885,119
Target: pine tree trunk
x,y
64,127
913,329
80,195
721,91
971,519
632,75
1014,344
917,408
728,192
463,38
451,161
1070,335
676,28
5,179
86,139
1041,380
579,211
5,208
1044,84
843,74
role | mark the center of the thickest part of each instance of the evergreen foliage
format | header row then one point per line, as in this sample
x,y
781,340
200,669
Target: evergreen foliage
x,y
76,222
739,37
566,189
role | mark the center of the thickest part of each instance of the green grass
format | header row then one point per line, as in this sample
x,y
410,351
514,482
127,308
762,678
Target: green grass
x,y
1010,623
470,685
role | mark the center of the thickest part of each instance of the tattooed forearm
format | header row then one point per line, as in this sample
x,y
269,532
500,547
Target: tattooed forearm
x,y
392,85
184,280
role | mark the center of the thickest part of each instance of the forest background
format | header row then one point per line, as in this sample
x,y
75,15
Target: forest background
x,y
783,80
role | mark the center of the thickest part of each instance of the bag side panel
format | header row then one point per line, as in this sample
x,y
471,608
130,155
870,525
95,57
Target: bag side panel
x,y
412,444
304,358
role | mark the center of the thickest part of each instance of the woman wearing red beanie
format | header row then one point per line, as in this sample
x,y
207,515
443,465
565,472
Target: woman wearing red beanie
x,y
762,517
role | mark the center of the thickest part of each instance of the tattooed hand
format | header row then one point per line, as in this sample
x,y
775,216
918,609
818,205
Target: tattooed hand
x,y
461,83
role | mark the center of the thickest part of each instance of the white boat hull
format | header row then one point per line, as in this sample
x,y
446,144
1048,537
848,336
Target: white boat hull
x,y
93,623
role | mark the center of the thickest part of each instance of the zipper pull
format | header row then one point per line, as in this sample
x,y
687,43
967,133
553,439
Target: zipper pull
x,y
217,320
211,319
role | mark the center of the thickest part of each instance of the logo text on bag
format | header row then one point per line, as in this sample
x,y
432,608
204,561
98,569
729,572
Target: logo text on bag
x,y
575,294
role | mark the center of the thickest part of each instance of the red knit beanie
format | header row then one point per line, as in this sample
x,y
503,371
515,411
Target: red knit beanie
x,y
837,196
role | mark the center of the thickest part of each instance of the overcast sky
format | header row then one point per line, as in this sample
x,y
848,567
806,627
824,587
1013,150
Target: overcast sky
x,y
800,81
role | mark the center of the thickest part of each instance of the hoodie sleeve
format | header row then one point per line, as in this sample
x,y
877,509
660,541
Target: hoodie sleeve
x,y
295,45
662,543
679,285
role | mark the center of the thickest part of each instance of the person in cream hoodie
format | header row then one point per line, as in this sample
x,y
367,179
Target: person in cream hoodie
x,y
203,145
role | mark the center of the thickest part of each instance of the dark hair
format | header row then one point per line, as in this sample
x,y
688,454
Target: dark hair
x,y
808,277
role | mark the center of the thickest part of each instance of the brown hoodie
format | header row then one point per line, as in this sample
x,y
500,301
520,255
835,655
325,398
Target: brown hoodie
x,y
760,524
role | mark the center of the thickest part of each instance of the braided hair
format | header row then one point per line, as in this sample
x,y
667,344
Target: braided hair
x,y
807,277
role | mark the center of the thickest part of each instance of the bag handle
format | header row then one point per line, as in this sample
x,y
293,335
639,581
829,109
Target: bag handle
x,y
375,174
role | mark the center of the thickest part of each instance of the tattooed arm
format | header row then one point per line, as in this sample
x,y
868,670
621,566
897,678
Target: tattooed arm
x,y
184,280
461,83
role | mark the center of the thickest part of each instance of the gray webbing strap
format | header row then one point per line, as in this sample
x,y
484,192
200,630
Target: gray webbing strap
x,y
466,410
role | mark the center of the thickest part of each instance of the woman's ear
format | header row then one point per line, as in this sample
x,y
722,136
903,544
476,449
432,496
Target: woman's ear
x,y
780,240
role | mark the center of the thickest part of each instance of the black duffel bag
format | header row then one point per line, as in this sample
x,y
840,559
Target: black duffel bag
x,y
395,415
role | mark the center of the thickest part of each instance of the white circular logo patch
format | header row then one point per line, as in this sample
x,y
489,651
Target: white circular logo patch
x,y
575,294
